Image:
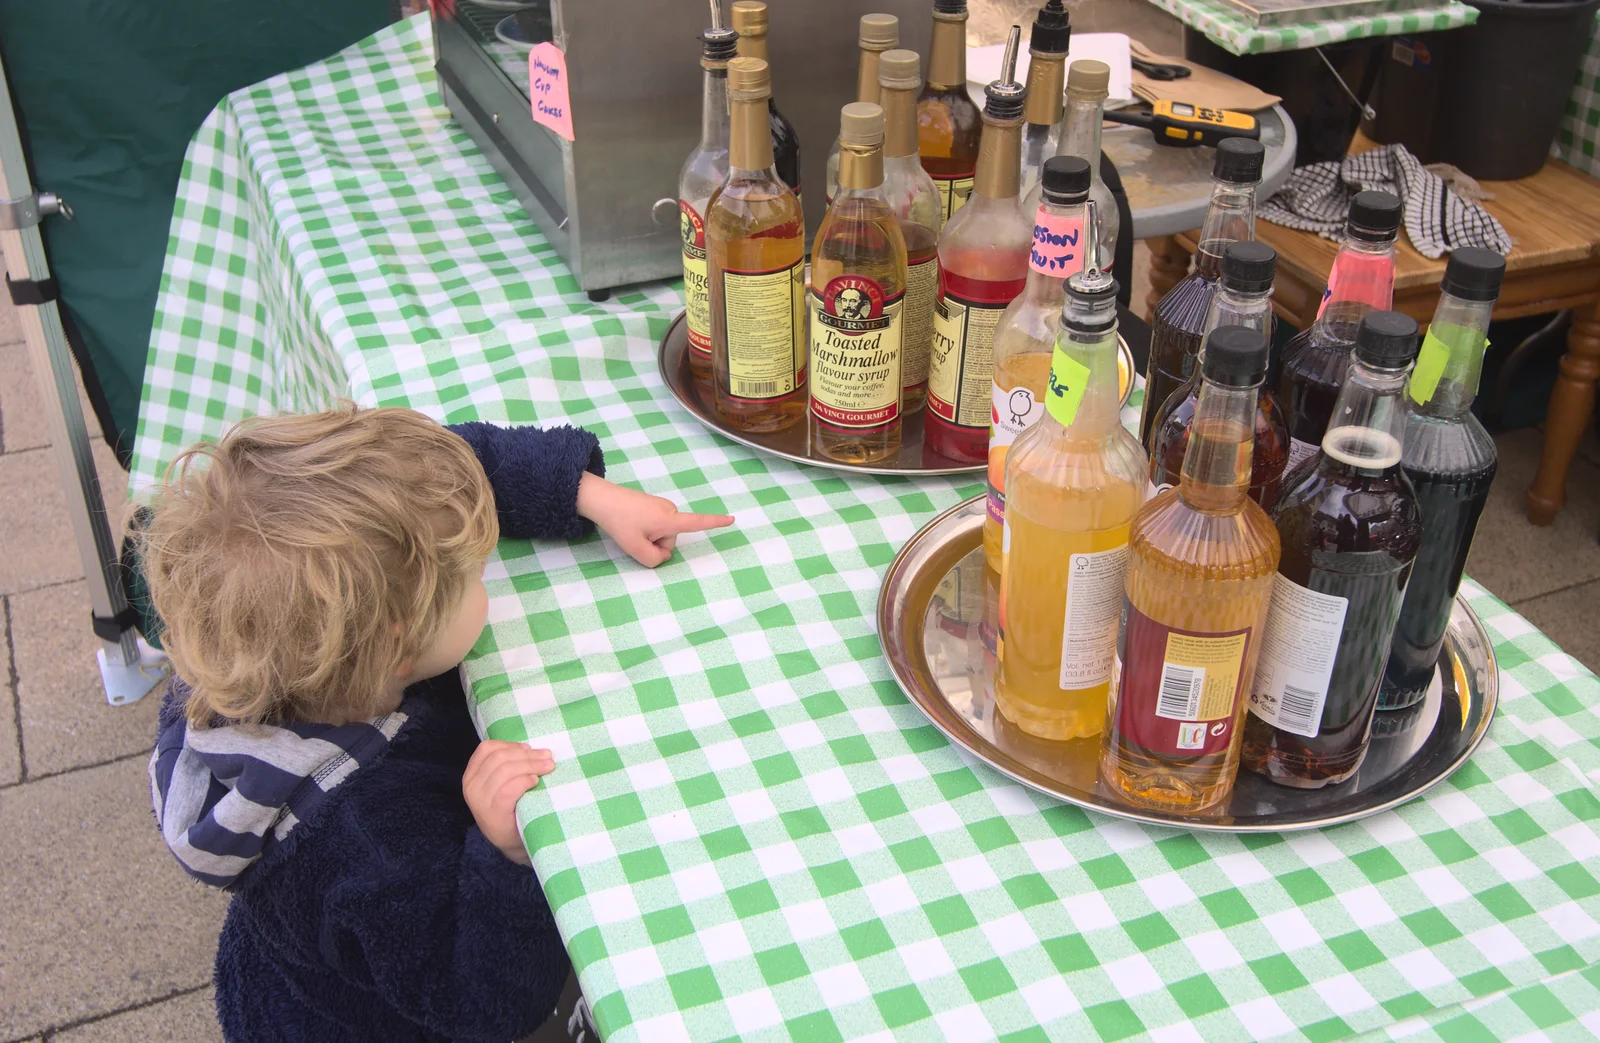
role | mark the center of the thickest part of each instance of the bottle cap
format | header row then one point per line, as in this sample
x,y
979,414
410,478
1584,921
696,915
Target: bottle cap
x,y
950,7
1236,357
1065,177
1051,29
1249,266
1386,340
719,46
1089,77
1238,161
1374,217
1005,96
749,79
879,32
861,124
1091,304
900,70
750,17
1473,274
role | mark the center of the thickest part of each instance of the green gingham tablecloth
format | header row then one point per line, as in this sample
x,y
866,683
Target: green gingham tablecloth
x,y
750,833
1227,27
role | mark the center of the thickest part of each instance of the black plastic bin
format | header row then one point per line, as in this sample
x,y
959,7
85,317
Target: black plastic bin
x,y
1488,97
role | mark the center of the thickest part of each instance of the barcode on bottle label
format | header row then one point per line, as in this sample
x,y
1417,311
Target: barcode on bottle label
x,y
1179,697
755,389
1298,648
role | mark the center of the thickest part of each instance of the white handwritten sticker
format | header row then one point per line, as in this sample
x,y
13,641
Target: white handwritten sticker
x,y
547,86
1057,244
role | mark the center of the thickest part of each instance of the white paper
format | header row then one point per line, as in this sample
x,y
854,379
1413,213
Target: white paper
x,y
983,63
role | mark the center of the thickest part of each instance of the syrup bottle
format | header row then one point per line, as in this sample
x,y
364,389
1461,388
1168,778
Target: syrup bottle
x,y
1450,460
983,265
878,33
1350,529
1087,84
1243,298
1025,339
1316,360
948,126
1201,560
1047,69
1180,316
1075,479
750,20
703,173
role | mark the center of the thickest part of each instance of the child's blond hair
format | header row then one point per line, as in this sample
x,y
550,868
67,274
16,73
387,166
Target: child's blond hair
x,y
299,562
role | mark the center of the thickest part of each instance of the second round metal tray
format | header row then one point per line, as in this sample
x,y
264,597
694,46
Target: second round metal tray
x,y
672,355
940,598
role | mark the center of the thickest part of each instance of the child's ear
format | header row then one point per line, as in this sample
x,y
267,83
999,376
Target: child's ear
x,y
404,669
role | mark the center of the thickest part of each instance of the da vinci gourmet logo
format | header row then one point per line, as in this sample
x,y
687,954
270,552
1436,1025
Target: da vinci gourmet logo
x,y
853,304
693,230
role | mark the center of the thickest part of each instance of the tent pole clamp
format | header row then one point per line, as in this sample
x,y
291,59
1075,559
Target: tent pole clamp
x,y
27,211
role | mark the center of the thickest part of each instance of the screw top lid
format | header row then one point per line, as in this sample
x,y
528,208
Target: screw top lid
x,y
900,70
861,124
879,32
1249,266
1374,217
1051,30
1236,356
749,79
1238,161
1065,179
1089,77
1474,274
1386,340
750,17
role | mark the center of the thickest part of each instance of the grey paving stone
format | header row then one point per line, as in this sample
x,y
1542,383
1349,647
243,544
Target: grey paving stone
x,y
190,1018
10,756
98,917
38,539
1517,559
21,416
1568,616
66,721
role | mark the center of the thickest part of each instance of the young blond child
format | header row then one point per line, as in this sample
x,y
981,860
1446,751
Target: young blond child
x,y
319,577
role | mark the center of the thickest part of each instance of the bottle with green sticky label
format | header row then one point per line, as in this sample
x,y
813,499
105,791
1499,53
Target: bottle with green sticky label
x,y
1074,481
1450,460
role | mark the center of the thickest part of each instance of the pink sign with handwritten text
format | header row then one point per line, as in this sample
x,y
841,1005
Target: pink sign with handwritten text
x,y
547,86
1058,245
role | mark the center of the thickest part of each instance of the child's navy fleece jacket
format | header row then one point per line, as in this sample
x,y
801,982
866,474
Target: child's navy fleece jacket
x,y
367,904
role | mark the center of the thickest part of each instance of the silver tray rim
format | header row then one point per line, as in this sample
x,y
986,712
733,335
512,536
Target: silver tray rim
x,y
1490,694
710,423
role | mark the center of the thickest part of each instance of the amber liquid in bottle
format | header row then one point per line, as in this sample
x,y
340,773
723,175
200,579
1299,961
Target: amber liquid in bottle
x,y
948,123
703,173
755,238
858,287
1199,580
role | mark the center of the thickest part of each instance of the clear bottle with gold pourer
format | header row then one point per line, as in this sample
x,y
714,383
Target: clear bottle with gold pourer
x,y
914,198
755,252
703,173
858,286
1073,482
879,33
948,125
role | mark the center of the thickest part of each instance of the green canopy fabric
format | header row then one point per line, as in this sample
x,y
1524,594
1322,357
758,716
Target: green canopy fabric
x,y
108,96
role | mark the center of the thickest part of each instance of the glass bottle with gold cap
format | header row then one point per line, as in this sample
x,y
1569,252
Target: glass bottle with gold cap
x,y
703,173
948,125
755,253
858,286
879,33
1087,86
983,265
1073,481
911,194
1047,72
750,21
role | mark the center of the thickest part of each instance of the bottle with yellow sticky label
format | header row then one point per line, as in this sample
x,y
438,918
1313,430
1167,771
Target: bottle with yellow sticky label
x,y
1073,483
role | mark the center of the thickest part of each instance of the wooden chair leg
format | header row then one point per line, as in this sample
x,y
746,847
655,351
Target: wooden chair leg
x,y
1169,262
1571,405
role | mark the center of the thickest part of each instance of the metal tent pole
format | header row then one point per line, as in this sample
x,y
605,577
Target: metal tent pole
x,y
129,668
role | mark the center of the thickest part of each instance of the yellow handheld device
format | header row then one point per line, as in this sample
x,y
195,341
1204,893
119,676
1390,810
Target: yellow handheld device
x,y
1184,125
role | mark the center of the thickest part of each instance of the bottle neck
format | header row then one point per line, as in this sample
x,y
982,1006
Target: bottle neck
x,y
867,76
714,110
947,54
999,171
750,141
1047,73
899,123
1232,308
1099,411
1367,428
1460,332
860,169
1080,135
1361,280
1216,466
753,46
1231,218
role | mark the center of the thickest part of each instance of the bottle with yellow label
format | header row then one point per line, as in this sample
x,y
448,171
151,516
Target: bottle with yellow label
x,y
703,173
948,126
1025,339
983,265
911,194
858,287
1201,558
1074,481
755,254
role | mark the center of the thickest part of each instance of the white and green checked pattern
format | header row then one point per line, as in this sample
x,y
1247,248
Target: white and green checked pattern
x,y
1228,28
750,833
1578,137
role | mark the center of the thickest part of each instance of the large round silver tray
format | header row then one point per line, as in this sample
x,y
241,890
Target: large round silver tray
x,y
936,614
672,355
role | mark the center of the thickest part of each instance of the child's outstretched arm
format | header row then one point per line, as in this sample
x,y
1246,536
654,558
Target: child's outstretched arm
x,y
645,526
535,473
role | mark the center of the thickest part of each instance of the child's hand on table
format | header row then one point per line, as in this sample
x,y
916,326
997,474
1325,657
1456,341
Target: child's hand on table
x,y
497,776
645,526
